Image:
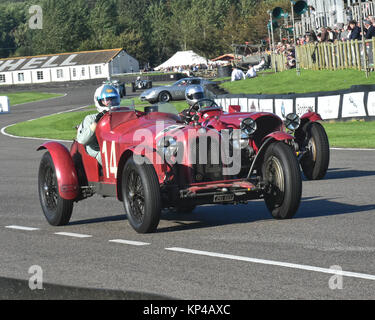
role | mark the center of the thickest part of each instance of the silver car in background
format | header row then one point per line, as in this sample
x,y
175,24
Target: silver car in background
x,y
175,91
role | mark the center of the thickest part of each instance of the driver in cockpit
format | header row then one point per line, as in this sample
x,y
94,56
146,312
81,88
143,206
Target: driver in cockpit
x,y
193,94
106,97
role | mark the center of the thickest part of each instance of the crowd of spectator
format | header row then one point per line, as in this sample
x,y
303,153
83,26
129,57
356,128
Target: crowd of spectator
x,y
341,32
287,49
191,69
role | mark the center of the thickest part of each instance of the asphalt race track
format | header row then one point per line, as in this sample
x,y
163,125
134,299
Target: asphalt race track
x,y
219,252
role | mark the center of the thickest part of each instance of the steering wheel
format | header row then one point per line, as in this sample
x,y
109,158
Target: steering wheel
x,y
200,106
203,104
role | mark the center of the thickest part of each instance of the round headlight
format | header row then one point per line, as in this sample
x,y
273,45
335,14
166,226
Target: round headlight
x,y
240,140
248,126
168,146
292,121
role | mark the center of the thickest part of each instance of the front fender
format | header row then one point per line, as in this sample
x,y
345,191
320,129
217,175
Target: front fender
x,y
311,116
307,118
278,136
66,173
274,136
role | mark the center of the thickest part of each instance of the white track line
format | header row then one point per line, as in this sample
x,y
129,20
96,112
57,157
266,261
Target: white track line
x,y
351,149
21,228
276,263
42,139
74,235
132,243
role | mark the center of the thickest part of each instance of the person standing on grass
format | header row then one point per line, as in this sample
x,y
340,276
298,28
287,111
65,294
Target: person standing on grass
x,y
355,31
369,30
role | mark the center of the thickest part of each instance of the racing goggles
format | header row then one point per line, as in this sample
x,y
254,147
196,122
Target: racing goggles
x,y
195,96
109,102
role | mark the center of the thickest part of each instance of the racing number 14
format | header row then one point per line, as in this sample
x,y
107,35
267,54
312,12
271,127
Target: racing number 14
x,y
111,166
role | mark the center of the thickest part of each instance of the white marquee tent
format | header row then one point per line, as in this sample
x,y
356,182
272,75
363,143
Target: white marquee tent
x,y
183,58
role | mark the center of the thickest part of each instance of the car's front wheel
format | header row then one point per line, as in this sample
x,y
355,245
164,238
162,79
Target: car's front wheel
x,y
56,209
316,160
281,173
141,195
165,97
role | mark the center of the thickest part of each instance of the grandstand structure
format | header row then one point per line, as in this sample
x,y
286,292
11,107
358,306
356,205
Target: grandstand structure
x,y
331,13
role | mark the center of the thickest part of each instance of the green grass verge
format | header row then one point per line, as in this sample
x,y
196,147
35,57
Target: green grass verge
x,y
25,97
60,126
309,81
356,134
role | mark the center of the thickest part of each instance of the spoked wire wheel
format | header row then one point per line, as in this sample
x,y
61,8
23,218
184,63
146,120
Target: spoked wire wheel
x,y
274,175
282,176
136,197
50,191
56,209
141,195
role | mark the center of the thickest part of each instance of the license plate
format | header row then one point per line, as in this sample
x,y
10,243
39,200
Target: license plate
x,y
224,198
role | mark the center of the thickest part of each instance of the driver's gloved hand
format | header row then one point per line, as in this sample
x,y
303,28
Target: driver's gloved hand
x,y
99,116
186,113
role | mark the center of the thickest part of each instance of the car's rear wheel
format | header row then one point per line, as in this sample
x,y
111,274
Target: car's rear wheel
x,y
316,160
56,209
165,96
281,173
141,194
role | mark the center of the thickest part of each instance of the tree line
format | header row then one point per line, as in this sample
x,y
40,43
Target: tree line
x,y
149,30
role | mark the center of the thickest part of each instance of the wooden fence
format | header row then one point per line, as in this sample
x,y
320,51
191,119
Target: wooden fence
x,y
331,56
278,62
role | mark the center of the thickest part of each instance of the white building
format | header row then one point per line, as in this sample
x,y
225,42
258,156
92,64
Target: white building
x,y
66,67
333,10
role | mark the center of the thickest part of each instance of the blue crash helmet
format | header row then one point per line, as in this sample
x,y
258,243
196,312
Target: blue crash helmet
x,y
106,97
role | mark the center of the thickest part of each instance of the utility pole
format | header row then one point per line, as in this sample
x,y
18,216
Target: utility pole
x,y
273,39
364,46
295,40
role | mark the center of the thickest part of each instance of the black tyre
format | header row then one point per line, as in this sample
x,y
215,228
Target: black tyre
x,y
280,170
164,96
316,161
56,209
141,194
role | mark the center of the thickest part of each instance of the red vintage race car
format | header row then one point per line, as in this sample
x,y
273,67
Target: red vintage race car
x,y
160,159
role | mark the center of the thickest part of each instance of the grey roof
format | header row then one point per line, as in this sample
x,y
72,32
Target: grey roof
x,y
58,60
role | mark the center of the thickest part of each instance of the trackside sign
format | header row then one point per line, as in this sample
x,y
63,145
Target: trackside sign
x,y
4,105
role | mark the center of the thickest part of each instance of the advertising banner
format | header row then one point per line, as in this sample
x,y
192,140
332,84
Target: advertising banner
x,y
305,105
252,105
266,105
283,107
328,107
371,104
353,105
243,103
4,104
